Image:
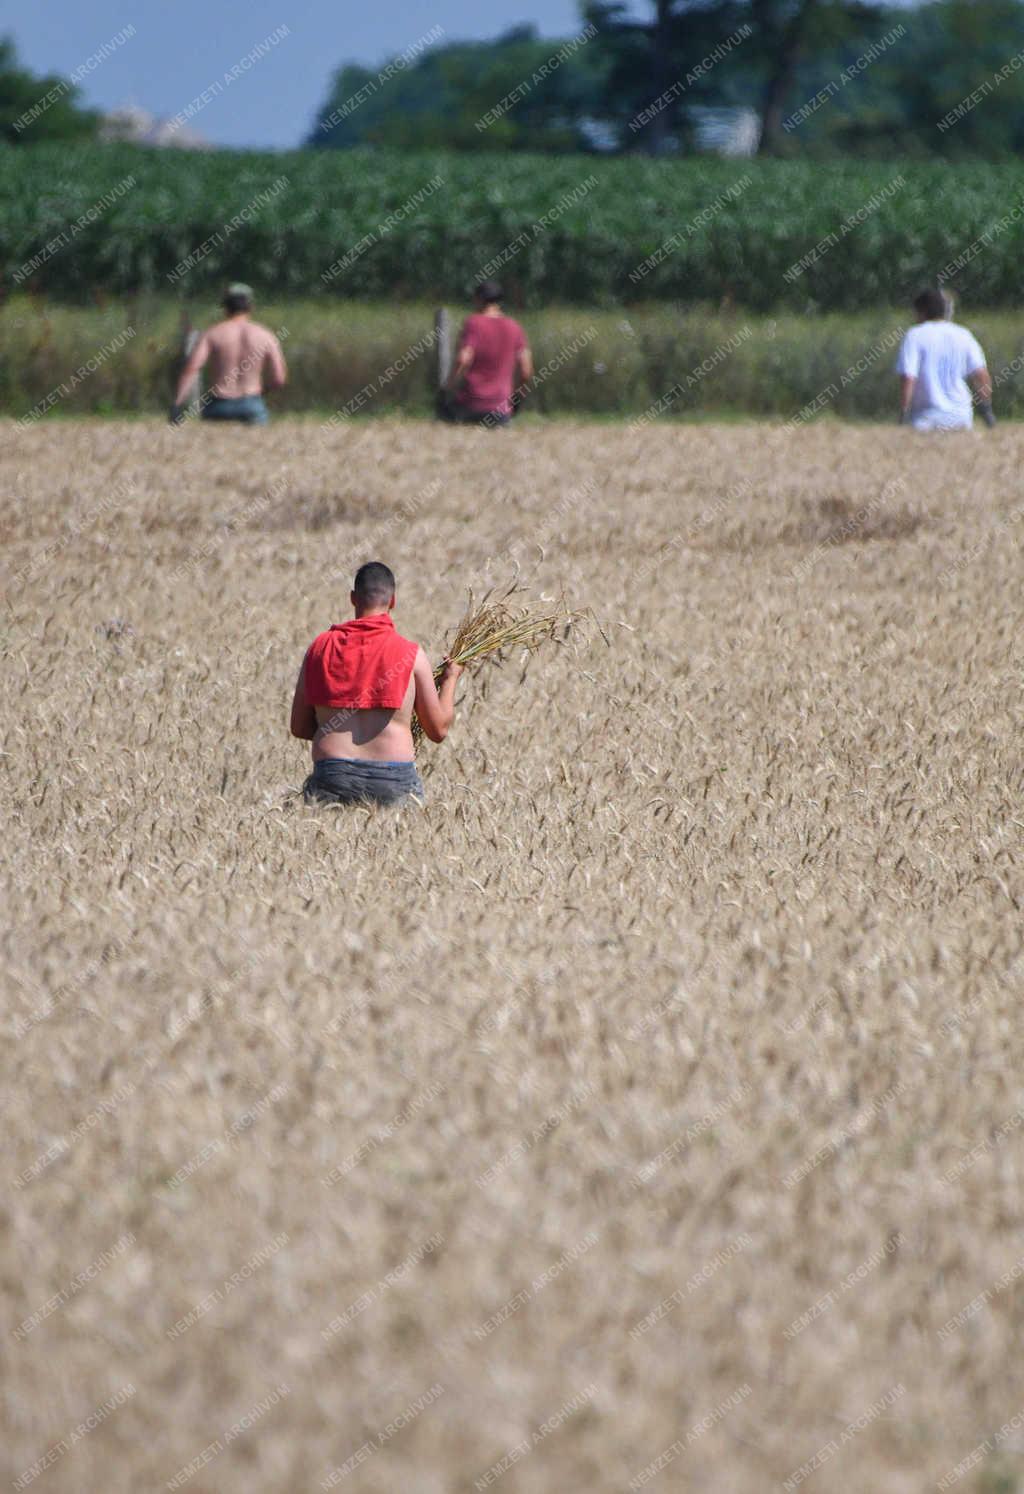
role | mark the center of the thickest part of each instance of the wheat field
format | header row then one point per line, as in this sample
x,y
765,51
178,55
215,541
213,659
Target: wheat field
x,y
644,1111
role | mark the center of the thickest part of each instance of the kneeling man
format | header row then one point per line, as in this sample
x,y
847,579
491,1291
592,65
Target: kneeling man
x,y
357,689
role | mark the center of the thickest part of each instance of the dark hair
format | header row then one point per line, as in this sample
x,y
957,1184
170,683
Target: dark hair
x,y
375,582
489,291
233,304
931,304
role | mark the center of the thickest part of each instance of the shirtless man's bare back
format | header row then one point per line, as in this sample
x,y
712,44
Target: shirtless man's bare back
x,y
238,351
354,699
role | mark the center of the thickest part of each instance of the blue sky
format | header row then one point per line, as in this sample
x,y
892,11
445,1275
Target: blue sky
x,y
180,47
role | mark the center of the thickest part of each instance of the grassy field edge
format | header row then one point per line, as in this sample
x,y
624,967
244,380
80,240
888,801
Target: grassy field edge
x,y
353,359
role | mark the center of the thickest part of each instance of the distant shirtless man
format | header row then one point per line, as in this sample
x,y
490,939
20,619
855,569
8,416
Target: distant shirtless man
x,y
357,689
238,350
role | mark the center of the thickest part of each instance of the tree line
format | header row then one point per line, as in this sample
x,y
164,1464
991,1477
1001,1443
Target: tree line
x,y
818,77
776,77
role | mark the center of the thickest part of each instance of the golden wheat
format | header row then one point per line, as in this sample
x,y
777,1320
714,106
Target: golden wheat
x,y
644,1111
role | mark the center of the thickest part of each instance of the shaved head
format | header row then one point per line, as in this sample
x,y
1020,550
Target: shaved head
x,y
374,585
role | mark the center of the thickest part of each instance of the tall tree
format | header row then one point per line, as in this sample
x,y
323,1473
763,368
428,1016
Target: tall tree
x,y
757,50
657,74
35,108
518,92
787,34
946,81
957,85
783,31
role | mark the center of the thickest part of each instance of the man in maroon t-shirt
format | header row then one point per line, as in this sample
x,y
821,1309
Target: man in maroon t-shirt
x,y
493,357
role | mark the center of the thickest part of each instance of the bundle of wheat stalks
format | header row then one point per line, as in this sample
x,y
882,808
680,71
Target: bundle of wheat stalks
x,y
488,631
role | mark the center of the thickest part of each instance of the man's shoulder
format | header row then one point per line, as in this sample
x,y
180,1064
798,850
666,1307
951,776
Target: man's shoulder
x,y
947,336
963,334
931,336
942,330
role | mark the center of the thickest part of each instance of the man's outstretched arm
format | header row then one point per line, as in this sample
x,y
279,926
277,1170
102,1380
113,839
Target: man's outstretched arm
x,y
303,723
435,708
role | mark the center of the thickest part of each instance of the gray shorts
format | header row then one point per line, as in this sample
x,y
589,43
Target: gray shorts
x,y
361,780
249,409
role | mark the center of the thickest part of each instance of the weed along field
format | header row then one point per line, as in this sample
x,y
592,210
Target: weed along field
x,y
644,1111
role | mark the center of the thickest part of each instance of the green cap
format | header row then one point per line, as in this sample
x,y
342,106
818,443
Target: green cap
x,y
238,289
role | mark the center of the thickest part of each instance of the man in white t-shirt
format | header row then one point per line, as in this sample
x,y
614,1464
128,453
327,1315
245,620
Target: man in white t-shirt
x,y
939,364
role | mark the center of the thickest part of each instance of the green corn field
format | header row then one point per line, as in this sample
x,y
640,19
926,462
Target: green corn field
x,y
574,230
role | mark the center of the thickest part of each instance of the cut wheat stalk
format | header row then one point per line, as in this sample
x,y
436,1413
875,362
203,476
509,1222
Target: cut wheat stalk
x,y
488,631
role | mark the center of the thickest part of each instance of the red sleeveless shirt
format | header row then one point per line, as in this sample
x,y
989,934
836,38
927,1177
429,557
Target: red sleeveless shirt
x,y
361,665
